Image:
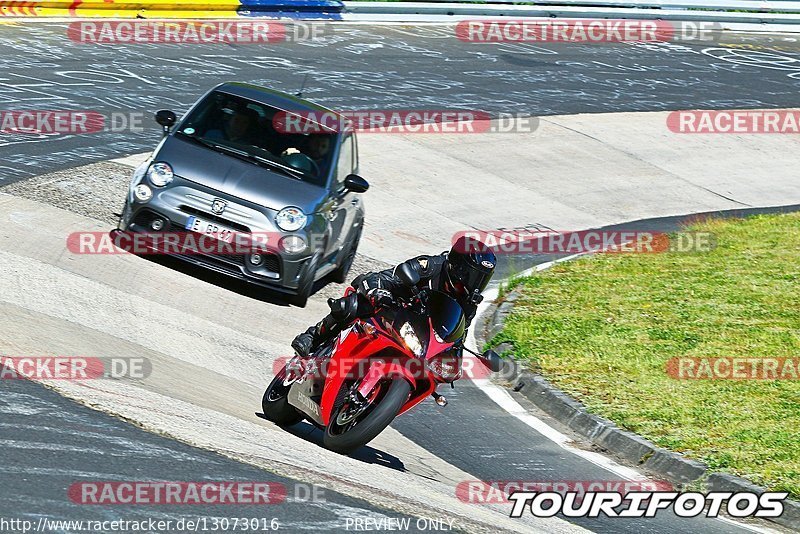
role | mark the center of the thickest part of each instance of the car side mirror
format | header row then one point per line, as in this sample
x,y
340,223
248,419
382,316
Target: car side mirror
x,y
492,360
407,275
355,183
166,119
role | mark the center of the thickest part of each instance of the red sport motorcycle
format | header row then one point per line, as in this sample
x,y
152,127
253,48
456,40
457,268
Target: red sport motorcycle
x,y
378,368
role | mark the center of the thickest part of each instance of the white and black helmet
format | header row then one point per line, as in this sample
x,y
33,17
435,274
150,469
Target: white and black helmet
x,y
470,266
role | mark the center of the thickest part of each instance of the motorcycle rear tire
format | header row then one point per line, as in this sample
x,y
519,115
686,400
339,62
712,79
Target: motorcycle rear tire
x,y
275,404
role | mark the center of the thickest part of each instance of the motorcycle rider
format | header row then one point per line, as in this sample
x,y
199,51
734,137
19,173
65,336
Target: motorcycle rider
x,y
462,273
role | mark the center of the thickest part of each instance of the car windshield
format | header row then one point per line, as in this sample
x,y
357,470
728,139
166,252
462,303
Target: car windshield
x,y
246,127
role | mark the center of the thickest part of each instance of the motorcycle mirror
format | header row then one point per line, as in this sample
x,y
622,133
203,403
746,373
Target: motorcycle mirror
x,y
166,119
492,360
407,275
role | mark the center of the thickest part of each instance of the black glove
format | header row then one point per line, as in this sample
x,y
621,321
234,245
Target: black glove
x,y
381,297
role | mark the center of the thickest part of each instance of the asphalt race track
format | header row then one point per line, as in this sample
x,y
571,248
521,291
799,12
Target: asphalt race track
x,y
373,67
81,443
215,341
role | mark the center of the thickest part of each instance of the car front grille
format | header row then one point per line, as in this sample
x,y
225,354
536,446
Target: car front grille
x,y
271,261
230,262
218,262
146,216
233,259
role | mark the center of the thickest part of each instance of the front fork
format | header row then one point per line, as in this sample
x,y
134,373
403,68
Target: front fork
x,y
374,374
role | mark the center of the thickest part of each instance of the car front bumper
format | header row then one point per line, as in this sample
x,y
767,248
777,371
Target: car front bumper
x,y
279,271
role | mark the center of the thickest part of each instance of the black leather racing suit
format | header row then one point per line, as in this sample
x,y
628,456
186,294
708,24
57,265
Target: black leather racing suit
x,y
379,288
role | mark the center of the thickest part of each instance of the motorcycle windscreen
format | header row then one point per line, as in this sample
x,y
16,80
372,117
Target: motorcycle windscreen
x,y
447,317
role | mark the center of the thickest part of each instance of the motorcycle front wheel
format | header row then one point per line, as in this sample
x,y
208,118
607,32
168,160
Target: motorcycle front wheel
x,y
353,425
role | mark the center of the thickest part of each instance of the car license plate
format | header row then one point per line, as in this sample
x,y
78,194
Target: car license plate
x,y
215,230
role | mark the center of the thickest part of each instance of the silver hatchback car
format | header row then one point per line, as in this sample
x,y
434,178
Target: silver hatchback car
x,y
225,169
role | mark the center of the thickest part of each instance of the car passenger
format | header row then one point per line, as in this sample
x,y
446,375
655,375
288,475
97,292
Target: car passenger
x,y
318,147
238,128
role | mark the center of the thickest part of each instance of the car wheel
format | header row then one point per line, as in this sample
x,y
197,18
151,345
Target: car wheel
x,y
340,274
306,283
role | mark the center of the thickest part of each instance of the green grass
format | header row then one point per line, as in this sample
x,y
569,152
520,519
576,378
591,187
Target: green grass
x,y
508,285
602,329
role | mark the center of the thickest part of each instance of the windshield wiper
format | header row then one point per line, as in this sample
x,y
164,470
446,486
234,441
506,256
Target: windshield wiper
x,y
288,171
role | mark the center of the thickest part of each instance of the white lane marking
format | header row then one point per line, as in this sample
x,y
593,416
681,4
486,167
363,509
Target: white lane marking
x,y
505,401
503,398
751,528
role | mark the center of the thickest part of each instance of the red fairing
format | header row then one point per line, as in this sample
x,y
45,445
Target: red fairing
x,y
358,354
350,349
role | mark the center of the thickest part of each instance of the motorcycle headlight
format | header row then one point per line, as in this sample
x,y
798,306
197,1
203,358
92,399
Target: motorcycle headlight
x,y
291,219
411,339
160,174
446,365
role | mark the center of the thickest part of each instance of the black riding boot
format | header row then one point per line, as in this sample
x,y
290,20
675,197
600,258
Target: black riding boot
x,y
315,336
343,312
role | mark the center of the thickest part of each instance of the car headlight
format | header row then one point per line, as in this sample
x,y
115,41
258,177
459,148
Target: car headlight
x,y
292,244
291,219
142,193
160,174
411,339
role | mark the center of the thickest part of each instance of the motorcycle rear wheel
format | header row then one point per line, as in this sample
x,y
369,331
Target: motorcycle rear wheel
x,y
275,405
347,438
